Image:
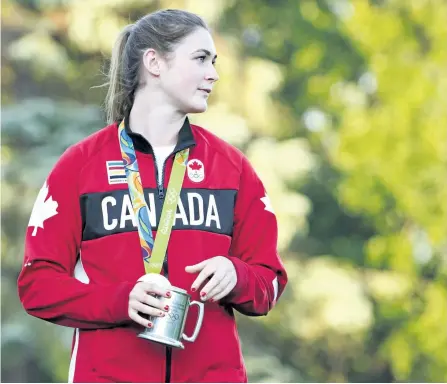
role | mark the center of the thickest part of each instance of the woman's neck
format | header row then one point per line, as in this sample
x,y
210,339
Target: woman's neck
x,y
158,124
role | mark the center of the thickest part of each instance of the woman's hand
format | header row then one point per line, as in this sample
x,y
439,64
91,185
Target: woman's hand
x,y
142,301
222,282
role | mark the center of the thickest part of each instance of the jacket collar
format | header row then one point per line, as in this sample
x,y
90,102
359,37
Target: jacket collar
x,y
185,138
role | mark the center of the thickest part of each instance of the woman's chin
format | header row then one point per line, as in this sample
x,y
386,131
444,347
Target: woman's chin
x,y
197,107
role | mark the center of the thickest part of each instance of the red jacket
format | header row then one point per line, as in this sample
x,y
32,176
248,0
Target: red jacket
x,y
82,257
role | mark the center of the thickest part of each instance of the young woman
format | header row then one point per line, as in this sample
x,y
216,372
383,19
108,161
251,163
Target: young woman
x,y
87,244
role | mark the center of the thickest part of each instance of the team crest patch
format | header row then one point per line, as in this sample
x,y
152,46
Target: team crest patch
x,y
115,172
196,170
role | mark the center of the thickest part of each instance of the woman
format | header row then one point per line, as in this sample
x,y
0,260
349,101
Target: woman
x,y
84,244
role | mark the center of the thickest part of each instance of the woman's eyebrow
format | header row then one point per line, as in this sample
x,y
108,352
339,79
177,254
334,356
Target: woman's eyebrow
x,y
206,52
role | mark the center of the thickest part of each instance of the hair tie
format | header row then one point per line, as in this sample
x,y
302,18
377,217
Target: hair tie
x,y
130,29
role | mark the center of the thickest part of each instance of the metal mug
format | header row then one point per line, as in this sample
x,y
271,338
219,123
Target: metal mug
x,y
168,330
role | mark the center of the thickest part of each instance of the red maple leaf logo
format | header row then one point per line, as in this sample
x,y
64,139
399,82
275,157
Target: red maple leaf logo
x,y
195,166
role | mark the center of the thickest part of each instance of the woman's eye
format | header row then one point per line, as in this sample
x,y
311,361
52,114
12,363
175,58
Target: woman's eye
x,y
202,58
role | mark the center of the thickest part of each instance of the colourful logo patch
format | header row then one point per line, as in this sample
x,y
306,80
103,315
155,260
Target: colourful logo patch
x,y
115,172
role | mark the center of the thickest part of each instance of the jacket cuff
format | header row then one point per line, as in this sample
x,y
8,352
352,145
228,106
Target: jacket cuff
x,y
120,306
242,273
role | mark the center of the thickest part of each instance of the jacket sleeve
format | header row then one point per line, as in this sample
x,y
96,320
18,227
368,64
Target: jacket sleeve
x,y
261,277
46,285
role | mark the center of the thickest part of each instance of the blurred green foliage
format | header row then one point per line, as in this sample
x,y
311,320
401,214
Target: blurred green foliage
x,y
346,98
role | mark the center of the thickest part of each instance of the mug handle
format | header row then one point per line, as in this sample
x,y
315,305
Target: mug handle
x,y
198,324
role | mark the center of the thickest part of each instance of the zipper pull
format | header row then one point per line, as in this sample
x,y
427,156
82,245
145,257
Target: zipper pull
x,y
161,194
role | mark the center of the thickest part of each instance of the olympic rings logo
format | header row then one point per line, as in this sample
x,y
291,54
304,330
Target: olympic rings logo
x,y
171,196
173,317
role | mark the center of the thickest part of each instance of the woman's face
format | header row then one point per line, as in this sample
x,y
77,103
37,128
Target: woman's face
x,y
188,76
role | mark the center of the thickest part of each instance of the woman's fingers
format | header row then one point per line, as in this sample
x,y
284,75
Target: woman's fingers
x,y
147,310
216,288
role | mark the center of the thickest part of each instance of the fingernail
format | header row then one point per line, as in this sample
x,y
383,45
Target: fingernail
x,y
211,300
149,325
193,289
203,294
166,307
168,294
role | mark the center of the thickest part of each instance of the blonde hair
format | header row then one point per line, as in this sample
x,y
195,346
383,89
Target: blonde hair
x,y
162,31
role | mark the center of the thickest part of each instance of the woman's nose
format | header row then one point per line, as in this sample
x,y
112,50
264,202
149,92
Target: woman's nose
x,y
213,75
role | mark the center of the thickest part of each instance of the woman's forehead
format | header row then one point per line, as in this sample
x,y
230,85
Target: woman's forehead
x,y
198,40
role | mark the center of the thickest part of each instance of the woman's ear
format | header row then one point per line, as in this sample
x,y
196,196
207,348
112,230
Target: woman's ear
x,y
151,62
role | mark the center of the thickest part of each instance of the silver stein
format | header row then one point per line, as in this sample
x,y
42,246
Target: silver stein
x,y
168,330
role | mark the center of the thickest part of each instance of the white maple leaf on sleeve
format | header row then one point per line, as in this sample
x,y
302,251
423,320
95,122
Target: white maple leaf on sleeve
x,y
267,203
43,209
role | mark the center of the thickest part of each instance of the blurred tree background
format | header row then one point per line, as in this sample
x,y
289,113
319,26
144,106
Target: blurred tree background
x,y
342,108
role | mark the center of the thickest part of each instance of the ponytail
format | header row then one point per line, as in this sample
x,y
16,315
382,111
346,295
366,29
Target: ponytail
x,y
162,31
117,102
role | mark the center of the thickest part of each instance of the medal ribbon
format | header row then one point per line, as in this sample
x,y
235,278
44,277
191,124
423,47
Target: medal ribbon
x,y
153,252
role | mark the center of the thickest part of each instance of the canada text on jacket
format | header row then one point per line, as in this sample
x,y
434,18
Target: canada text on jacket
x,y
107,213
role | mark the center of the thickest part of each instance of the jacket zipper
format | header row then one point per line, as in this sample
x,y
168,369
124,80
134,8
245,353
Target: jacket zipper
x,y
168,364
160,187
161,196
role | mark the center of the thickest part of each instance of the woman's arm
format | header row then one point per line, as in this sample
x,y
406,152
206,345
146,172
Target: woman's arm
x,y
46,285
261,276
